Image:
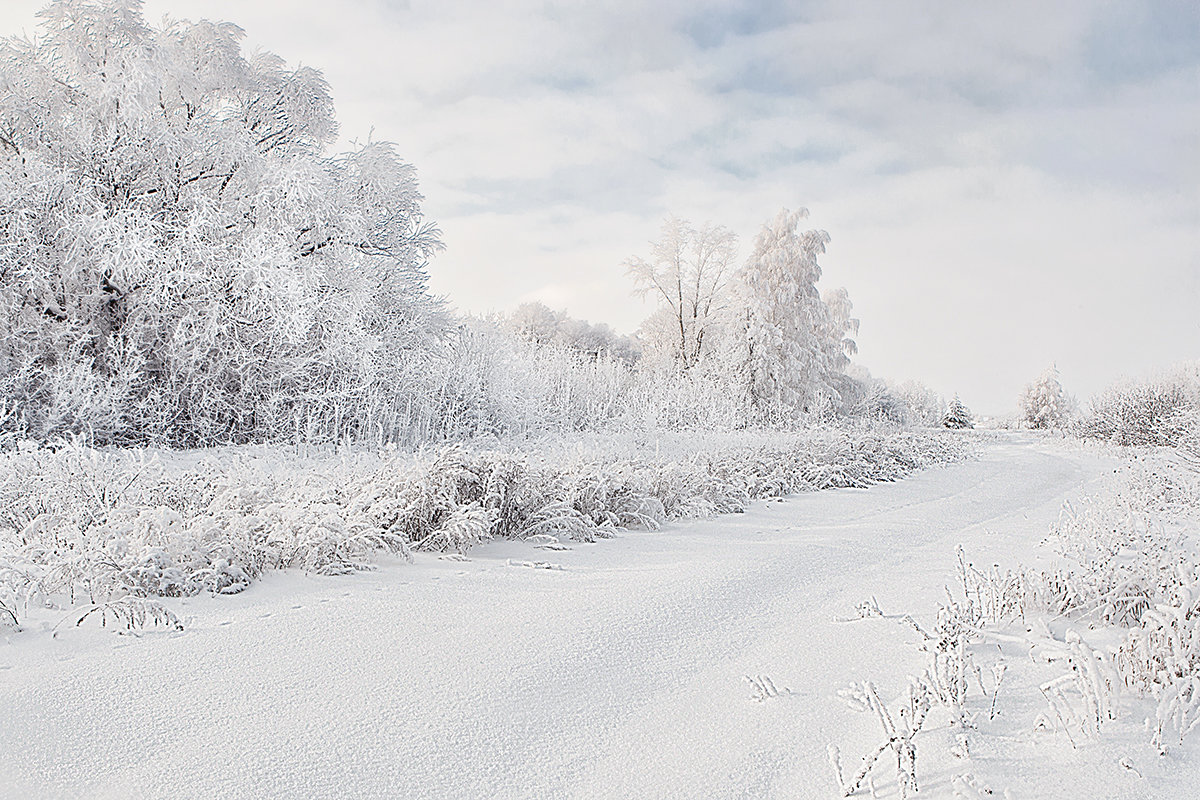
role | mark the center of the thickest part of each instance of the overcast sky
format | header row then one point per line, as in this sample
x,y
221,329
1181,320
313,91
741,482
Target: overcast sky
x,y
1006,185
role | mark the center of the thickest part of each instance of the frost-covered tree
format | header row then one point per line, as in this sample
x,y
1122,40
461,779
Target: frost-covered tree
x,y
793,347
1044,404
542,325
841,326
876,400
179,256
957,415
688,274
925,406
839,347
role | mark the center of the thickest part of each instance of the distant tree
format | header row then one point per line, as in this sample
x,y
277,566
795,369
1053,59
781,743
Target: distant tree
x,y
925,406
536,322
875,399
957,416
541,325
1044,404
793,347
179,257
688,273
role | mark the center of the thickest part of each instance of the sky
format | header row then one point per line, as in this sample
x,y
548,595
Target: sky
x,y
1006,185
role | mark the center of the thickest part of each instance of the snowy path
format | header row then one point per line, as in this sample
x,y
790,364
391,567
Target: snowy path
x,y
618,676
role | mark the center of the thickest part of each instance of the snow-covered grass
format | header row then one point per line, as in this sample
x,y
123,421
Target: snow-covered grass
x,y
1114,620
79,525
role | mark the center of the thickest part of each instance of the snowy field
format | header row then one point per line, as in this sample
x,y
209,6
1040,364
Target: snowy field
x,y
610,669
313,488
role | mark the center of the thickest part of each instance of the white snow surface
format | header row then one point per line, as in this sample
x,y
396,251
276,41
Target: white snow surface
x,y
620,672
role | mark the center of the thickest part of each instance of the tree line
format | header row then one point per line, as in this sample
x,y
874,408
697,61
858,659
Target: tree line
x,y
182,260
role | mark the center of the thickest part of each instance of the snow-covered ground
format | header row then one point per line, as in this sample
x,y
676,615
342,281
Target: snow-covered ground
x,y
616,669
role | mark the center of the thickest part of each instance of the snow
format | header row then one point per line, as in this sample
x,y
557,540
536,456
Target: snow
x,y
622,672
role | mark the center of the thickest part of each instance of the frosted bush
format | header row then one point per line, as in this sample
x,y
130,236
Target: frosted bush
x,y
83,525
1131,564
1163,410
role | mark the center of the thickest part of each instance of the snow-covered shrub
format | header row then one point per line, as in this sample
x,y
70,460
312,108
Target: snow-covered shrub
x,y
1129,567
1132,564
8,608
132,613
898,732
1163,410
83,525
1160,656
494,383
944,683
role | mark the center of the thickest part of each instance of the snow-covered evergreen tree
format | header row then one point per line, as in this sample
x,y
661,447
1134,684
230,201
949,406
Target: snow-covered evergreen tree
x,y
793,349
179,257
957,415
1044,404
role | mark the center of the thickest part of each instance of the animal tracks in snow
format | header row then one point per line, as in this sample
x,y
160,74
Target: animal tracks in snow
x,y
764,688
512,562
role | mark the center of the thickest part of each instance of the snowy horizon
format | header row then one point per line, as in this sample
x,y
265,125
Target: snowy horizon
x,y
1004,187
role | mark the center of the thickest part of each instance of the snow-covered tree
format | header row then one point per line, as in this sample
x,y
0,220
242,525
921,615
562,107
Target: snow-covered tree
x,y
957,415
841,326
542,325
1044,404
179,256
875,400
839,347
925,406
794,348
688,274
